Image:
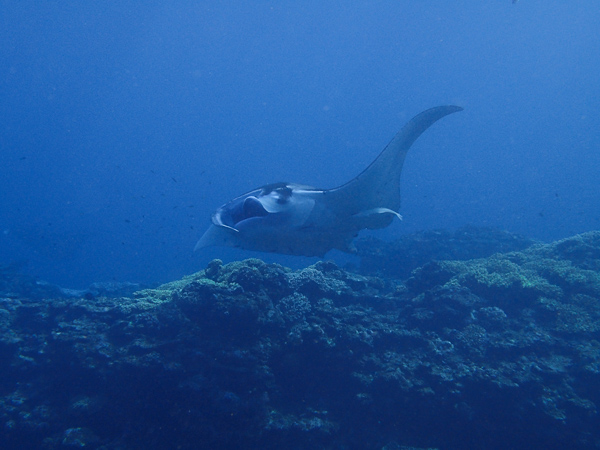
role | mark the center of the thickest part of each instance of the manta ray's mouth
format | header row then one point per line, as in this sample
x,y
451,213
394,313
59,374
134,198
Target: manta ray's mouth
x,y
254,208
232,216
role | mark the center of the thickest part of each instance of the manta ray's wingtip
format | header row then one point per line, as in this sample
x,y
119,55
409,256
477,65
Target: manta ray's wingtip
x,y
439,111
445,109
214,236
418,124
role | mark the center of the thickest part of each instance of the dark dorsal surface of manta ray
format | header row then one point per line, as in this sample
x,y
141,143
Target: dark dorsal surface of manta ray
x,y
295,219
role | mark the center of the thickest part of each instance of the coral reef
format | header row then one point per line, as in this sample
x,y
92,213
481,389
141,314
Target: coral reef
x,y
496,352
399,258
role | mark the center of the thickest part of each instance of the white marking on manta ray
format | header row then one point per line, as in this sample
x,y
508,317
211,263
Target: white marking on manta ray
x,y
295,219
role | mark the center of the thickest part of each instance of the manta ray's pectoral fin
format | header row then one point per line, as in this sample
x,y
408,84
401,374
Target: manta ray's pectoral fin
x,y
379,184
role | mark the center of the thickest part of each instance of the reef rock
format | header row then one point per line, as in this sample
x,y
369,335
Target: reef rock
x,y
497,352
397,259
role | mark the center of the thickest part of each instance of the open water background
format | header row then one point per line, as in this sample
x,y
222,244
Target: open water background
x,y
124,125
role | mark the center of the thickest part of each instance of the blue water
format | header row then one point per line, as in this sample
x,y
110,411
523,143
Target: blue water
x,y
124,125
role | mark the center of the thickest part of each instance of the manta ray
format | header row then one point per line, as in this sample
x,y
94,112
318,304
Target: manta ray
x,y
295,219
